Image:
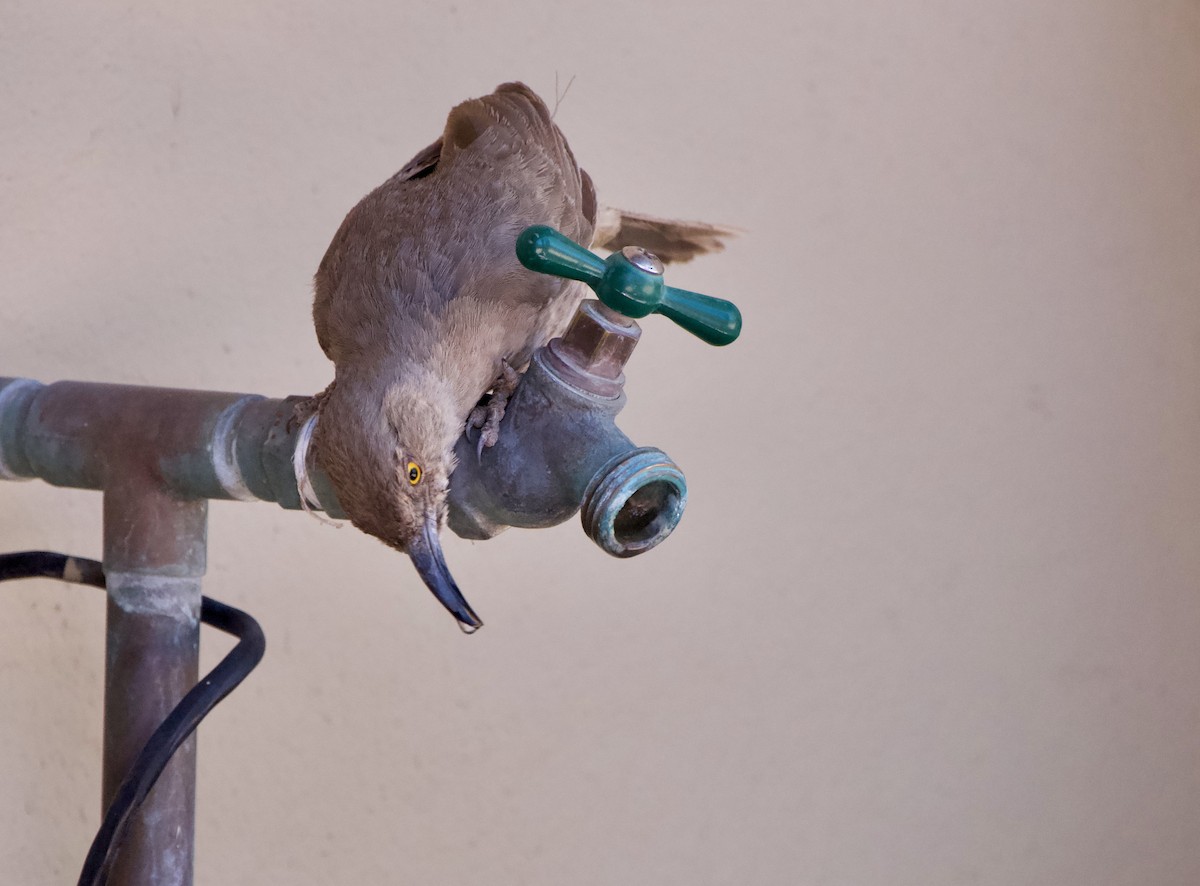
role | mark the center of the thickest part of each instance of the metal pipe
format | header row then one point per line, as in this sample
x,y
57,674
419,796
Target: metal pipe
x,y
158,455
154,557
196,444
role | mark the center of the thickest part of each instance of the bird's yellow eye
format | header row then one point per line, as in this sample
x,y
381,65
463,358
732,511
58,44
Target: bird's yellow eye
x,y
414,473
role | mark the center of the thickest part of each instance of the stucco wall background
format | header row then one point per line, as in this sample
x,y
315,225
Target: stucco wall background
x,y
932,616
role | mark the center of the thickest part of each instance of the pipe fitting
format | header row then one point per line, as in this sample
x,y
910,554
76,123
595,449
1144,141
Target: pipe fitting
x,y
16,399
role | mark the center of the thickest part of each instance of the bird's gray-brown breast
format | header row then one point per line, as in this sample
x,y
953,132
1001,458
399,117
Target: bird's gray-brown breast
x,y
426,261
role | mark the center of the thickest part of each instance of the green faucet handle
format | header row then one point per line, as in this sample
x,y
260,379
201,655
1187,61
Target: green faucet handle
x,y
630,282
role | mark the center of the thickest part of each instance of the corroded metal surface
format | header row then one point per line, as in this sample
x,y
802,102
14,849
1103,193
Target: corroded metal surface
x,y
195,444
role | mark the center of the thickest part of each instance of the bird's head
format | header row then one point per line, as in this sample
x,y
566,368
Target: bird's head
x,y
388,448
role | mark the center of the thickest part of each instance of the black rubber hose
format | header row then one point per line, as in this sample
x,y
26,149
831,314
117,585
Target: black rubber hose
x,y
179,724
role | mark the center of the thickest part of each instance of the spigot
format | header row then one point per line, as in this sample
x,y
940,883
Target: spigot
x,y
559,449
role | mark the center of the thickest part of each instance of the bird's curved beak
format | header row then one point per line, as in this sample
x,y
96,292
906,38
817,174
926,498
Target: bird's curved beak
x,y
426,553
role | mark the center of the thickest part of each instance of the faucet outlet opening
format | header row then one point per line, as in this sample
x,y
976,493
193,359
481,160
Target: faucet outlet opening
x,y
634,502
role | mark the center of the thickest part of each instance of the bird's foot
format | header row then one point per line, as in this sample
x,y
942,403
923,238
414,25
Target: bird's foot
x,y
487,415
304,408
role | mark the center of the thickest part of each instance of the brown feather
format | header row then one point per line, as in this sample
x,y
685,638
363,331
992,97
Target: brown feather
x,y
670,239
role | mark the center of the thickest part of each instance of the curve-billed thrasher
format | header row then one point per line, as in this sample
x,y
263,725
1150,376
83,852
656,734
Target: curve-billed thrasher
x,y
423,308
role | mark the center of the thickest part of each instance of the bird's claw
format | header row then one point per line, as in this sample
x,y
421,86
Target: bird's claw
x,y
486,417
489,427
304,408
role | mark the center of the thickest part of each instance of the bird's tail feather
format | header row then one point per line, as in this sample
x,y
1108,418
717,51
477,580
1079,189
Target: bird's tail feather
x,y
671,240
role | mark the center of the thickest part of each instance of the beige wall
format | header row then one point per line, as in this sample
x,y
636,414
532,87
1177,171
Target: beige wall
x,y
933,614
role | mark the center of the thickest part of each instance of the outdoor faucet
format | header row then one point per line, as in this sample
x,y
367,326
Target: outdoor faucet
x,y
559,450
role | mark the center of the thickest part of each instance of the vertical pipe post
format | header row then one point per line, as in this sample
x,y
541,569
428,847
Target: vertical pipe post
x,y
154,557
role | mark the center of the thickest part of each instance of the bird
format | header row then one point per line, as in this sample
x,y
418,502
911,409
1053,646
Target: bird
x,y
429,318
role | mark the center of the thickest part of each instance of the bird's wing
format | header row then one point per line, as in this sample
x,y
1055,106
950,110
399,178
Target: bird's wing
x,y
329,271
421,165
670,239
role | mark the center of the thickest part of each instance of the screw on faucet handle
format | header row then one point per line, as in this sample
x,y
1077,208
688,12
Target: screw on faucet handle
x,y
630,282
